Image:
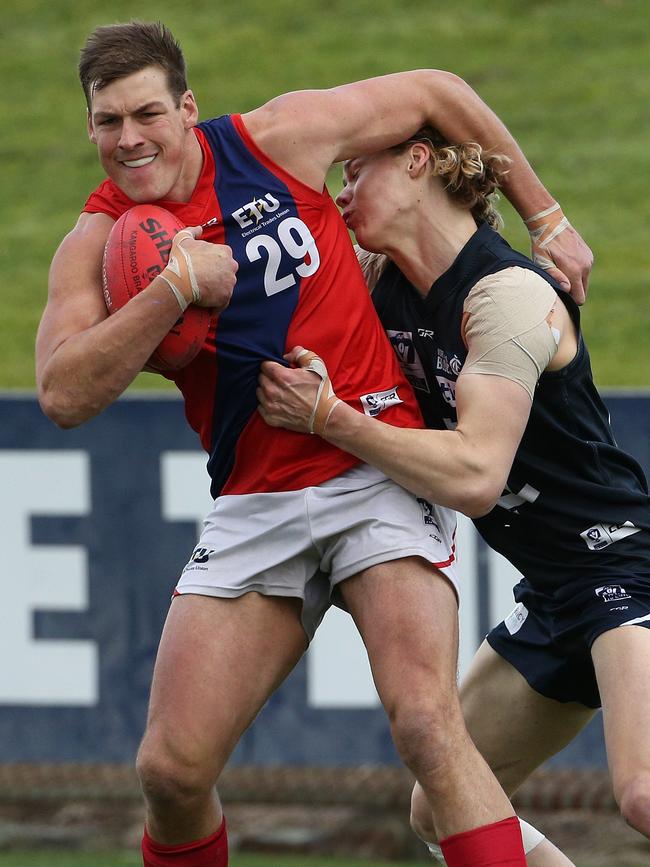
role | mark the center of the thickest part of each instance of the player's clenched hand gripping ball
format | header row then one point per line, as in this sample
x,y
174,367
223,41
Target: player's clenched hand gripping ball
x,y
147,242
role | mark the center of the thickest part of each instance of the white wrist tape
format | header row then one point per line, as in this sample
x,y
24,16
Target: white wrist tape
x,y
326,401
179,273
183,303
530,836
543,228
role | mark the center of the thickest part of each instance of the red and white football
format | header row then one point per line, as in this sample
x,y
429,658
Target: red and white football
x,y
136,251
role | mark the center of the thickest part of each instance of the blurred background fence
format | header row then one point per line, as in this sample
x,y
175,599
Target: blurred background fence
x,y
95,525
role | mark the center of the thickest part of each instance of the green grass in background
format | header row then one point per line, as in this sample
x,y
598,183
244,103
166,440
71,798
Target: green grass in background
x,y
569,77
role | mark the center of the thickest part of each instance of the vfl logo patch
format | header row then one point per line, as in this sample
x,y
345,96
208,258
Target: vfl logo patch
x,y
612,593
378,401
602,535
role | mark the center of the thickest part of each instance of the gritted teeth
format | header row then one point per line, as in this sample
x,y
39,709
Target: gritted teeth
x,y
143,161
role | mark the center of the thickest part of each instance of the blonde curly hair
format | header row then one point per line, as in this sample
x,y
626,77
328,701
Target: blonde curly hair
x,y
471,175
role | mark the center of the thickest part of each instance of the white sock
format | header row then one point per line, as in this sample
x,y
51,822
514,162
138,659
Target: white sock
x,y
436,852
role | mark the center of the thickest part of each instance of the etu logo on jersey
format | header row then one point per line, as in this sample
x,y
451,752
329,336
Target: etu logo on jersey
x,y
251,213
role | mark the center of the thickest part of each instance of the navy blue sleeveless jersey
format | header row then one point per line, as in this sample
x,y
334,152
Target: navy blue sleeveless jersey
x,y
575,506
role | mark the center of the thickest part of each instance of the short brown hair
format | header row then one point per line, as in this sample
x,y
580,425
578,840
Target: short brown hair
x,y
118,50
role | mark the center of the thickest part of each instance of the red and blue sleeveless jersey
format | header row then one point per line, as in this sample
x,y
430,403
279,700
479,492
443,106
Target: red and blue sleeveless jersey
x,y
298,283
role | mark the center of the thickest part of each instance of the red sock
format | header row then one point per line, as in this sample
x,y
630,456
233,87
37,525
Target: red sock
x,y
496,845
209,852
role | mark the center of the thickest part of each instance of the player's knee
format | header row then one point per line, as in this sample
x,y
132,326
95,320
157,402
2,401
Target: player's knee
x,y
167,777
422,816
633,797
424,735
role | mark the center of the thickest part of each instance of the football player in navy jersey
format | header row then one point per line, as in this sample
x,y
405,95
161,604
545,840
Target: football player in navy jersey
x,y
520,441
247,602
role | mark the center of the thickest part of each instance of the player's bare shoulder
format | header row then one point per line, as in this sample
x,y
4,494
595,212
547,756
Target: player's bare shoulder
x,y
292,129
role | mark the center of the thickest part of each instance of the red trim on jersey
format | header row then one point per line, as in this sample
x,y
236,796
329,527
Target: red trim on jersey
x,y
452,557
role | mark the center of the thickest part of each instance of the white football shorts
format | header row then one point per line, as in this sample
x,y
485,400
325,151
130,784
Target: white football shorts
x,y
303,543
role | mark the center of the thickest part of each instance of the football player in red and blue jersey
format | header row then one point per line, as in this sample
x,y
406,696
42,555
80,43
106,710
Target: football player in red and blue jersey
x,y
296,522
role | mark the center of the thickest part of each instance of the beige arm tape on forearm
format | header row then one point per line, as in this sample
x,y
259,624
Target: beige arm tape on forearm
x,y
544,228
179,273
326,401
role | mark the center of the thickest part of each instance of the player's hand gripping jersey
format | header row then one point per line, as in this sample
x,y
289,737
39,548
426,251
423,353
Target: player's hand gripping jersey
x,y
298,283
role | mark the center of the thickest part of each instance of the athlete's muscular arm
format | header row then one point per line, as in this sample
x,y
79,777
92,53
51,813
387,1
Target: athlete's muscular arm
x,y
84,358
466,468
307,131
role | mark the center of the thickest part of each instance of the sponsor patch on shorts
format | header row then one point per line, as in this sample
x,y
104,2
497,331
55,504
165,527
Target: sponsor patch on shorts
x,y
516,619
601,535
429,516
378,401
612,593
200,556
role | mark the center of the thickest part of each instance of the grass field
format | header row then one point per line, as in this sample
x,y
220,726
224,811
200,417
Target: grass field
x,y
117,859
568,76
